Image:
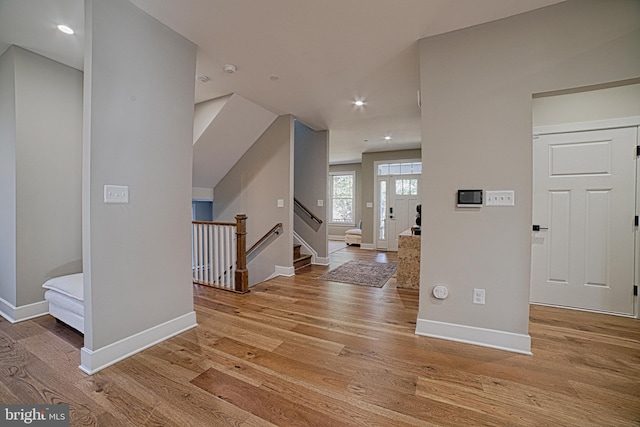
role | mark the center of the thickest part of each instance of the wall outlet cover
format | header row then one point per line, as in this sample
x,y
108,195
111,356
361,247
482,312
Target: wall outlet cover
x,y
116,194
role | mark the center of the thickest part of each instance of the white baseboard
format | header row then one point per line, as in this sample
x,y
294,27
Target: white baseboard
x,y
281,271
284,271
368,246
25,312
92,361
321,261
517,343
338,238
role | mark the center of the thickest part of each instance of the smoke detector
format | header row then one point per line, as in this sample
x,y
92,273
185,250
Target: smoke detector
x,y
229,68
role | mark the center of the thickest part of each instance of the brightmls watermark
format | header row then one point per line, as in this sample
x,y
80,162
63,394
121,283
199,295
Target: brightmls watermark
x,y
35,415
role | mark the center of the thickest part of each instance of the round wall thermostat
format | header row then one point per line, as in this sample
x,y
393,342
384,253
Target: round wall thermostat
x,y
440,292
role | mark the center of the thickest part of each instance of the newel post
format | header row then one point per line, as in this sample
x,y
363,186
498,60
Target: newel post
x,y
242,274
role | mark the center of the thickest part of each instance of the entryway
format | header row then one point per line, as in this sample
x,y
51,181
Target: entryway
x,y
397,196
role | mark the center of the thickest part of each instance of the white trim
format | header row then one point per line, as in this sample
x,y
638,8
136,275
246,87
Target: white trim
x,y
321,261
377,243
285,271
25,312
92,361
336,238
330,199
584,126
636,277
501,340
623,122
368,246
307,247
280,271
588,310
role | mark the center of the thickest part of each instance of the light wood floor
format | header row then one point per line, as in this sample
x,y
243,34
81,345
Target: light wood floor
x,y
300,351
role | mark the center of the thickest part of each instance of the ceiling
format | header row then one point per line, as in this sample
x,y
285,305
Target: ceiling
x,y
311,59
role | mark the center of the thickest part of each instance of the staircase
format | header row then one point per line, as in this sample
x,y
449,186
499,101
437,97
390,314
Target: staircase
x,y
300,260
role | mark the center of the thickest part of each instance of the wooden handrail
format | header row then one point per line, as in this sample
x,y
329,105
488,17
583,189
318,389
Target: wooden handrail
x,y
275,230
214,223
307,211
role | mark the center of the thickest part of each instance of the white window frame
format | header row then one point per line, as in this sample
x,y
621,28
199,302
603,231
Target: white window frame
x,y
353,198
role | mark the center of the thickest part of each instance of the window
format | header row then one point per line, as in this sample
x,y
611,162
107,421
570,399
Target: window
x,y
383,209
406,187
412,168
342,194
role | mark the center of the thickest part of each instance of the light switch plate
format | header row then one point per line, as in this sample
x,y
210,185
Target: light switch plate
x,y
281,203
500,198
116,194
320,202
369,204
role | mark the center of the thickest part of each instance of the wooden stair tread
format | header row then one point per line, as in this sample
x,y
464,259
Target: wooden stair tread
x,y
302,261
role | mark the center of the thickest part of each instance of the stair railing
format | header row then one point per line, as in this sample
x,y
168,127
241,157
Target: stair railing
x,y
218,256
306,211
275,231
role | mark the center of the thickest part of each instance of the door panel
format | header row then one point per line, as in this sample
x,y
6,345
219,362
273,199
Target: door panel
x,y
558,259
403,198
584,192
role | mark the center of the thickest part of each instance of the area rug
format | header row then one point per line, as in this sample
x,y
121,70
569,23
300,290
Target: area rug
x,y
359,272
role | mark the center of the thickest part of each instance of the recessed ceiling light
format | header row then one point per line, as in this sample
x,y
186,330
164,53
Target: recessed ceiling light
x,y
202,78
229,68
358,103
387,138
65,29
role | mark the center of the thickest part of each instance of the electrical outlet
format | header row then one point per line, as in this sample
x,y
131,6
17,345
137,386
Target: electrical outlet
x,y
116,194
478,296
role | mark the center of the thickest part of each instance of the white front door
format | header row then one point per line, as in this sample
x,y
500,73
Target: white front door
x,y
404,196
584,192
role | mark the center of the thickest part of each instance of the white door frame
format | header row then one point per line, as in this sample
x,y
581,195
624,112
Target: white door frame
x,y
376,197
602,125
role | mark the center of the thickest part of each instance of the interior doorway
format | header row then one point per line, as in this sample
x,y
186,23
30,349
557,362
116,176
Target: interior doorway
x,y
584,213
586,182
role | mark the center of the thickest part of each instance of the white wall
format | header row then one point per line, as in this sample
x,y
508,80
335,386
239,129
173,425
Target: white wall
x,y
310,184
200,193
587,105
263,175
7,179
41,146
49,177
139,96
477,86
231,125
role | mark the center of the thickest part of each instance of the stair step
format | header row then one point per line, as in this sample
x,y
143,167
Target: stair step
x,y
301,261
296,251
